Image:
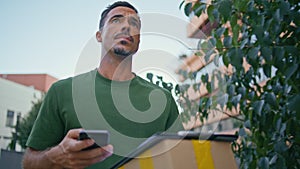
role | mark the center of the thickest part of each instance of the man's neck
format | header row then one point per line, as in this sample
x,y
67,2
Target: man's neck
x,y
114,68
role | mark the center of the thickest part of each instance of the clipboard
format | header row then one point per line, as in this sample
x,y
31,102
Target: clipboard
x,y
182,135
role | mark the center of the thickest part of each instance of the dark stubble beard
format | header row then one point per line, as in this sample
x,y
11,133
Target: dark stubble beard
x,y
122,52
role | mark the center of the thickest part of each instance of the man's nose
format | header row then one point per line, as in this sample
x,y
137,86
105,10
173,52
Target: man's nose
x,y
126,26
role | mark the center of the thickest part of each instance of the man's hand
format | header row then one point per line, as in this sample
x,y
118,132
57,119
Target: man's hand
x,y
68,154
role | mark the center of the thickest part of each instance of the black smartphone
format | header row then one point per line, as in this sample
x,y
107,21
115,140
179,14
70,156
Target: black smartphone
x,y
101,138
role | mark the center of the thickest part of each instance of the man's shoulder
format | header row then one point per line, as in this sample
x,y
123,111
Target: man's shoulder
x,y
61,84
67,82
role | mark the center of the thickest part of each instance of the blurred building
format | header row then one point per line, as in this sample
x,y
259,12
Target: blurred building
x,y
17,94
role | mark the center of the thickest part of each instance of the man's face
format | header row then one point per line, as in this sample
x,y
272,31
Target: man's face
x,y
120,33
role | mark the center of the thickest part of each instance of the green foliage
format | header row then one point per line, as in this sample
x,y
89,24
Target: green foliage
x,y
26,123
190,106
265,34
160,82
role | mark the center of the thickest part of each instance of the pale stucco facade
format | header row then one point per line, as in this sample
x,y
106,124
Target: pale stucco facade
x,y
15,98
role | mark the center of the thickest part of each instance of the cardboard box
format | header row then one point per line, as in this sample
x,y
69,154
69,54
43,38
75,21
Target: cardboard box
x,y
181,153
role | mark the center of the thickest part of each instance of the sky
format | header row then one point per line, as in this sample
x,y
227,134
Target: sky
x,y
57,37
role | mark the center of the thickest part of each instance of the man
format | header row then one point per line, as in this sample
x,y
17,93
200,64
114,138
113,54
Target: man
x,y
53,141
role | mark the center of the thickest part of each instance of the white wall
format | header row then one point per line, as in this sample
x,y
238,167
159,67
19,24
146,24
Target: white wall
x,y
15,97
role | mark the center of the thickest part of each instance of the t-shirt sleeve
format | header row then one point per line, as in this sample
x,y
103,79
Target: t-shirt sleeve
x,y
174,122
48,129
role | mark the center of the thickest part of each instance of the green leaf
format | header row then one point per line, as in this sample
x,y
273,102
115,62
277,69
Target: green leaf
x,y
284,7
242,132
263,163
181,4
219,45
250,5
150,77
268,23
226,60
220,31
204,46
27,122
236,57
233,20
212,41
271,99
204,78
196,86
280,146
242,91
278,52
160,78
267,70
257,107
236,100
223,100
216,60
247,124
235,31
273,160
199,54
253,52
280,162
291,70
295,16
188,9
243,43
243,6
276,15
210,13
208,103
177,89
293,103
292,50
231,90
199,8
208,55
267,54
259,32
278,123
282,129
209,87
227,41
225,8
275,29
252,58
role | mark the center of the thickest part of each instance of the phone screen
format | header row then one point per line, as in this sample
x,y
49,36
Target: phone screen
x,y
101,137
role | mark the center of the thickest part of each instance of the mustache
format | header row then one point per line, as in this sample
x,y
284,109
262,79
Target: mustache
x,y
124,35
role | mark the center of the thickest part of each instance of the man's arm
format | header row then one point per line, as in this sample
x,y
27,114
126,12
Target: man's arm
x,y
38,159
66,154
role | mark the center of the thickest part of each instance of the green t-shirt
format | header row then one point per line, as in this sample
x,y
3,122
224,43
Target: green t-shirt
x,y
130,110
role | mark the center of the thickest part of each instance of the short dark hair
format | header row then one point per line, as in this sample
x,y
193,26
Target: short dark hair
x,y
112,6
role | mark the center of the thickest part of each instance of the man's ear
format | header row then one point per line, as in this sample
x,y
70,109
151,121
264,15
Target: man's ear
x,y
99,36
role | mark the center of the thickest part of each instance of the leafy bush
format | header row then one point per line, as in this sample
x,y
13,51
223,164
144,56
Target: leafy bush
x,y
265,35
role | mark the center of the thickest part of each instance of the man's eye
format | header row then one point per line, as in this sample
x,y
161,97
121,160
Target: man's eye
x,y
135,24
116,20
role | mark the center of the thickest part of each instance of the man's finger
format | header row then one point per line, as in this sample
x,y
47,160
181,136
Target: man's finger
x,y
78,145
74,133
97,152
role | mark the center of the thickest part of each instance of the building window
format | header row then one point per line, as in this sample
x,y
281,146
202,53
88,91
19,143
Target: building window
x,y
10,118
